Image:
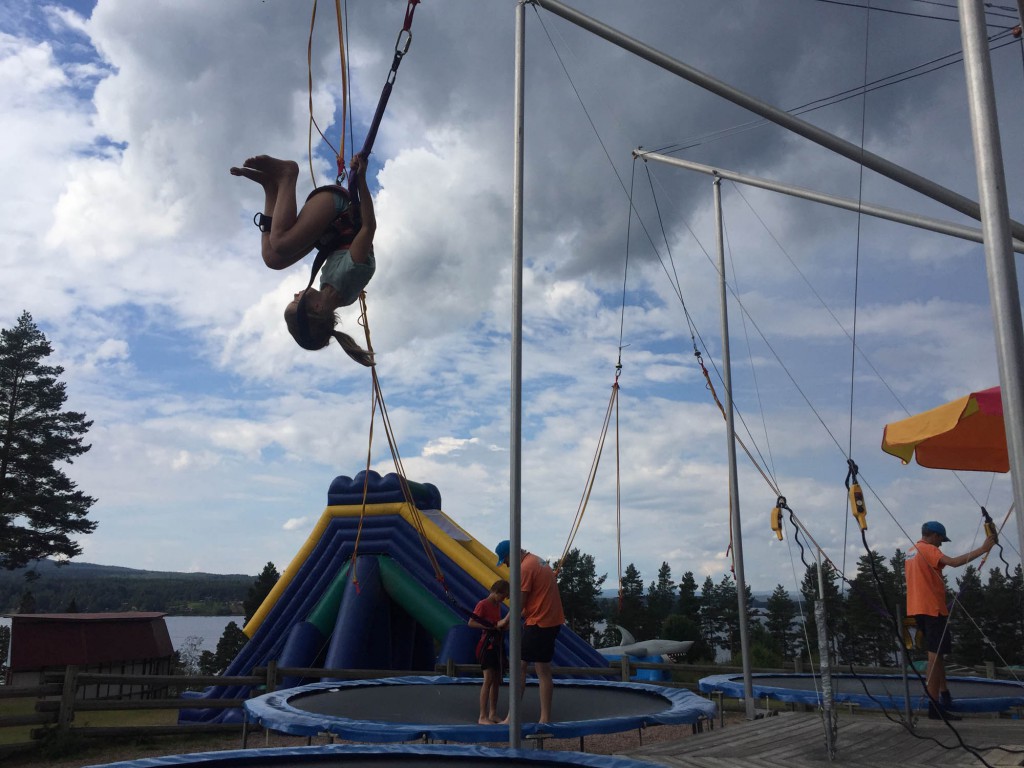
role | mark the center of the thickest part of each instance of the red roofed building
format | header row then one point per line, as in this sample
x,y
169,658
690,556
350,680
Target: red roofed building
x,y
131,643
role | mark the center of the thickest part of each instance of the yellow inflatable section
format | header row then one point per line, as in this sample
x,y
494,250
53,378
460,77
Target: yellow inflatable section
x,y
443,533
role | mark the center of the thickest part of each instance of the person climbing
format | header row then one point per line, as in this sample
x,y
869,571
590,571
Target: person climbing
x,y
324,221
490,649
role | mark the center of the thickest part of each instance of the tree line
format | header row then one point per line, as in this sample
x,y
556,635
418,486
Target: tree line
x,y
987,619
84,588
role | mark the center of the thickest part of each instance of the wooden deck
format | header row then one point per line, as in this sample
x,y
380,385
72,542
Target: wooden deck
x,y
797,740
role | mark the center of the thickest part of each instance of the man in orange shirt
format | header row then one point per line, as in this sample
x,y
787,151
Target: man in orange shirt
x,y
926,602
543,617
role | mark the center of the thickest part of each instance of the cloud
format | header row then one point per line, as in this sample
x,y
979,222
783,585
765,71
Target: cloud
x,y
134,250
447,445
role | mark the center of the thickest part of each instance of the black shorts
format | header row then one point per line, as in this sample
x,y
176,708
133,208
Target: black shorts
x,y
490,650
539,643
491,658
937,637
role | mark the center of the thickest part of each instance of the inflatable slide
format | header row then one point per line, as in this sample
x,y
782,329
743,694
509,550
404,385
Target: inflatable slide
x,y
395,614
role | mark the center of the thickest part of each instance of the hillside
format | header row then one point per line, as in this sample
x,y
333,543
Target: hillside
x,y
92,588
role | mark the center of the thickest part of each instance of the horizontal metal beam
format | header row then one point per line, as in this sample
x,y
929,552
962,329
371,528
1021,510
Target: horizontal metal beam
x,y
878,211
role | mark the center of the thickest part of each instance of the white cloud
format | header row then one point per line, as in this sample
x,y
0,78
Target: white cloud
x,y
134,249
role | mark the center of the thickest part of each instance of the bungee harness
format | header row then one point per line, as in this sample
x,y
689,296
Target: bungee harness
x,y
344,227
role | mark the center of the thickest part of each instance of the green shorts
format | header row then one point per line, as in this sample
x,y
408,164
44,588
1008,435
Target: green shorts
x,y
345,276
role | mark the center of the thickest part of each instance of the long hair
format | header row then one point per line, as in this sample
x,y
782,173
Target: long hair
x,y
321,330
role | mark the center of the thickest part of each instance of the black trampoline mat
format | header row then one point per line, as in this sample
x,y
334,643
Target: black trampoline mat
x,y
459,704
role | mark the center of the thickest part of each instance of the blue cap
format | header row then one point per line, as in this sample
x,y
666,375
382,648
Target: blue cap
x,y
933,527
502,551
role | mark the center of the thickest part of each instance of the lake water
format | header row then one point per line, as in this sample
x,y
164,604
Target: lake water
x,y
210,628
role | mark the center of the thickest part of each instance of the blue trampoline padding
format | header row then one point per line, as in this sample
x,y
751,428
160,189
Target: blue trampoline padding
x,y
278,712
970,694
382,756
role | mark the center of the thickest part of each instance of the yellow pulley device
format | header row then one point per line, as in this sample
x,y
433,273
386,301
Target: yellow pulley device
x,y
857,508
777,516
990,526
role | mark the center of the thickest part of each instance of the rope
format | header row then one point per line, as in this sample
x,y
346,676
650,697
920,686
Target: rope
x,y
377,400
344,99
591,476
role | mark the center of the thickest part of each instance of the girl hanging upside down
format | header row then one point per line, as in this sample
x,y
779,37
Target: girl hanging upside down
x,y
326,222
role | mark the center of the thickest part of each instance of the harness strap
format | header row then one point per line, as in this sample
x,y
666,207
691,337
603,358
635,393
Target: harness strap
x,y
401,48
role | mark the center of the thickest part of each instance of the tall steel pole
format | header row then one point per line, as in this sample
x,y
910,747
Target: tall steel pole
x,y
995,225
515,672
734,486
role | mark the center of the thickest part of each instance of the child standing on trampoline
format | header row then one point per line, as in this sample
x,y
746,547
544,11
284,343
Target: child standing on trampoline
x,y
490,650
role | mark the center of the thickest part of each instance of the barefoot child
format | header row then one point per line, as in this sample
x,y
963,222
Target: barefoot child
x,y
490,650
289,234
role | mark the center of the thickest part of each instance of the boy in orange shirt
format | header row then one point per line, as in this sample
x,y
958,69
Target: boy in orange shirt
x,y
543,619
926,602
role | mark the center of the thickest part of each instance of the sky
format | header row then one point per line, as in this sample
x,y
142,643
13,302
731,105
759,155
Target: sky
x,y
215,437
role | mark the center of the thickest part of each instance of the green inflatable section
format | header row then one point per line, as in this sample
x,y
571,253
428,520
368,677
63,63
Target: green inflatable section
x,y
325,613
436,617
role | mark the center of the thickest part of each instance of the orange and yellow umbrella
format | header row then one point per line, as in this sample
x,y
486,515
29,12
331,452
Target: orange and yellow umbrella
x,y
967,433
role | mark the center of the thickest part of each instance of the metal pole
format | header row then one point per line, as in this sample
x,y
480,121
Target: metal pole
x,y
1002,271
825,664
908,710
774,114
734,489
878,211
515,672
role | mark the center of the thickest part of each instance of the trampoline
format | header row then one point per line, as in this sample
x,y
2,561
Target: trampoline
x,y
445,708
970,694
349,756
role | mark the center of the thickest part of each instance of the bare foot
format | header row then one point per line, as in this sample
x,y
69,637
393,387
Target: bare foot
x,y
276,169
504,722
494,720
267,182
485,721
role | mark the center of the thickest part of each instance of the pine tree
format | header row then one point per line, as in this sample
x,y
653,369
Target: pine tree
x,y
231,642
661,597
632,613
870,628
259,590
689,600
40,508
779,622
968,640
580,590
833,604
708,613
